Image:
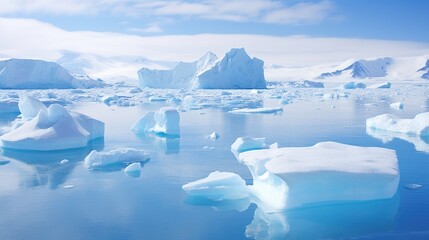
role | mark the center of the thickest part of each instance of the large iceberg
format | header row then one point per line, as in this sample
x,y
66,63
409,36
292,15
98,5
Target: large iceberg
x,y
236,70
419,125
293,177
164,121
30,74
52,128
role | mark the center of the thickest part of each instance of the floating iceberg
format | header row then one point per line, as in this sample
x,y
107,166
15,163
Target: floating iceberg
x,y
327,172
352,85
258,110
53,128
419,125
218,186
164,121
235,71
397,105
97,159
30,74
243,144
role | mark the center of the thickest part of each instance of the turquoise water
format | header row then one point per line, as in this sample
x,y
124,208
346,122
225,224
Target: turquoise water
x,y
42,199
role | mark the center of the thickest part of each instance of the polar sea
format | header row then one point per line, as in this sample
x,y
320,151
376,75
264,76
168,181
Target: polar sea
x,y
40,198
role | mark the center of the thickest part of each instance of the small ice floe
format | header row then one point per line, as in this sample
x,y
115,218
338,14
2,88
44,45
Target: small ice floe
x,y
134,90
64,161
117,156
218,186
164,121
133,170
69,186
397,105
214,135
413,186
258,110
419,125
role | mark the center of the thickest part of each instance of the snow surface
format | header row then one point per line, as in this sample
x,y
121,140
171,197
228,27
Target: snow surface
x,y
235,71
164,121
243,144
380,85
419,125
31,74
287,178
97,159
218,186
363,69
52,128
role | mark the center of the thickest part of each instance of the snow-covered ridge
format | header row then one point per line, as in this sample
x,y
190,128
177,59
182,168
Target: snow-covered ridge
x,y
39,74
363,69
236,70
425,69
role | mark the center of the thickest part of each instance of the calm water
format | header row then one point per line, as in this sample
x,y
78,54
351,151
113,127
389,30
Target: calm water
x,y
42,199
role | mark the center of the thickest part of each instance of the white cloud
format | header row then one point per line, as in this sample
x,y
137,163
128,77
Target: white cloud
x,y
34,39
268,11
150,28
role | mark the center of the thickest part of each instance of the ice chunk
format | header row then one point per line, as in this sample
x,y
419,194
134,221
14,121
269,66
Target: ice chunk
x,y
413,186
327,172
305,84
53,128
117,156
64,161
397,105
164,121
419,125
243,144
352,85
258,110
134,90
381,85
29,106
214,135
218,186
133,170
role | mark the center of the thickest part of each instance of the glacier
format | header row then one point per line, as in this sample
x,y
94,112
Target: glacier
x,y
52,128
236,70
419,125
39,74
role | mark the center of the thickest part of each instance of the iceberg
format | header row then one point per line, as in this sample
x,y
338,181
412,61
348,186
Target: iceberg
x,y
258,110
97,159
164,121
419,125
327,172
381,85
218,186
38,74
53,128
243,144
236,70
397,105
352,85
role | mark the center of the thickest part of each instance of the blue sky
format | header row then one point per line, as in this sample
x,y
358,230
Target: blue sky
x,y
368,19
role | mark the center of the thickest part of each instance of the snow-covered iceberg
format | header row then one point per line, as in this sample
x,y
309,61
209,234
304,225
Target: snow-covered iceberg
x,y
97,159
243,144
419,125
164,121
52,128
30,74
363,69
218,186
327,172
236,70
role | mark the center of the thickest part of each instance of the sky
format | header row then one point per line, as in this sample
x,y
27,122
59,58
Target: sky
x,y
284,32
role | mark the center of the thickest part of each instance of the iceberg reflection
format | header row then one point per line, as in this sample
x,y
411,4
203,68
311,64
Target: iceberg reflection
x,y
165,143
421,143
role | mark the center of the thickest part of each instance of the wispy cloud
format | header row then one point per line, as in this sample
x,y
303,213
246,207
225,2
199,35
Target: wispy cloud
x,y
263,11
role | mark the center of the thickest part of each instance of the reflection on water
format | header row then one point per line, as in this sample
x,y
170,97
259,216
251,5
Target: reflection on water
x,y
342,220
421,143
47,166
165,143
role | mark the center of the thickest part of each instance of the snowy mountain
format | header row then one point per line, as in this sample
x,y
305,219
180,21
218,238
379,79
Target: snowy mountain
x,y
425,69
363,69
183,75
31,74
110,69
236,70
